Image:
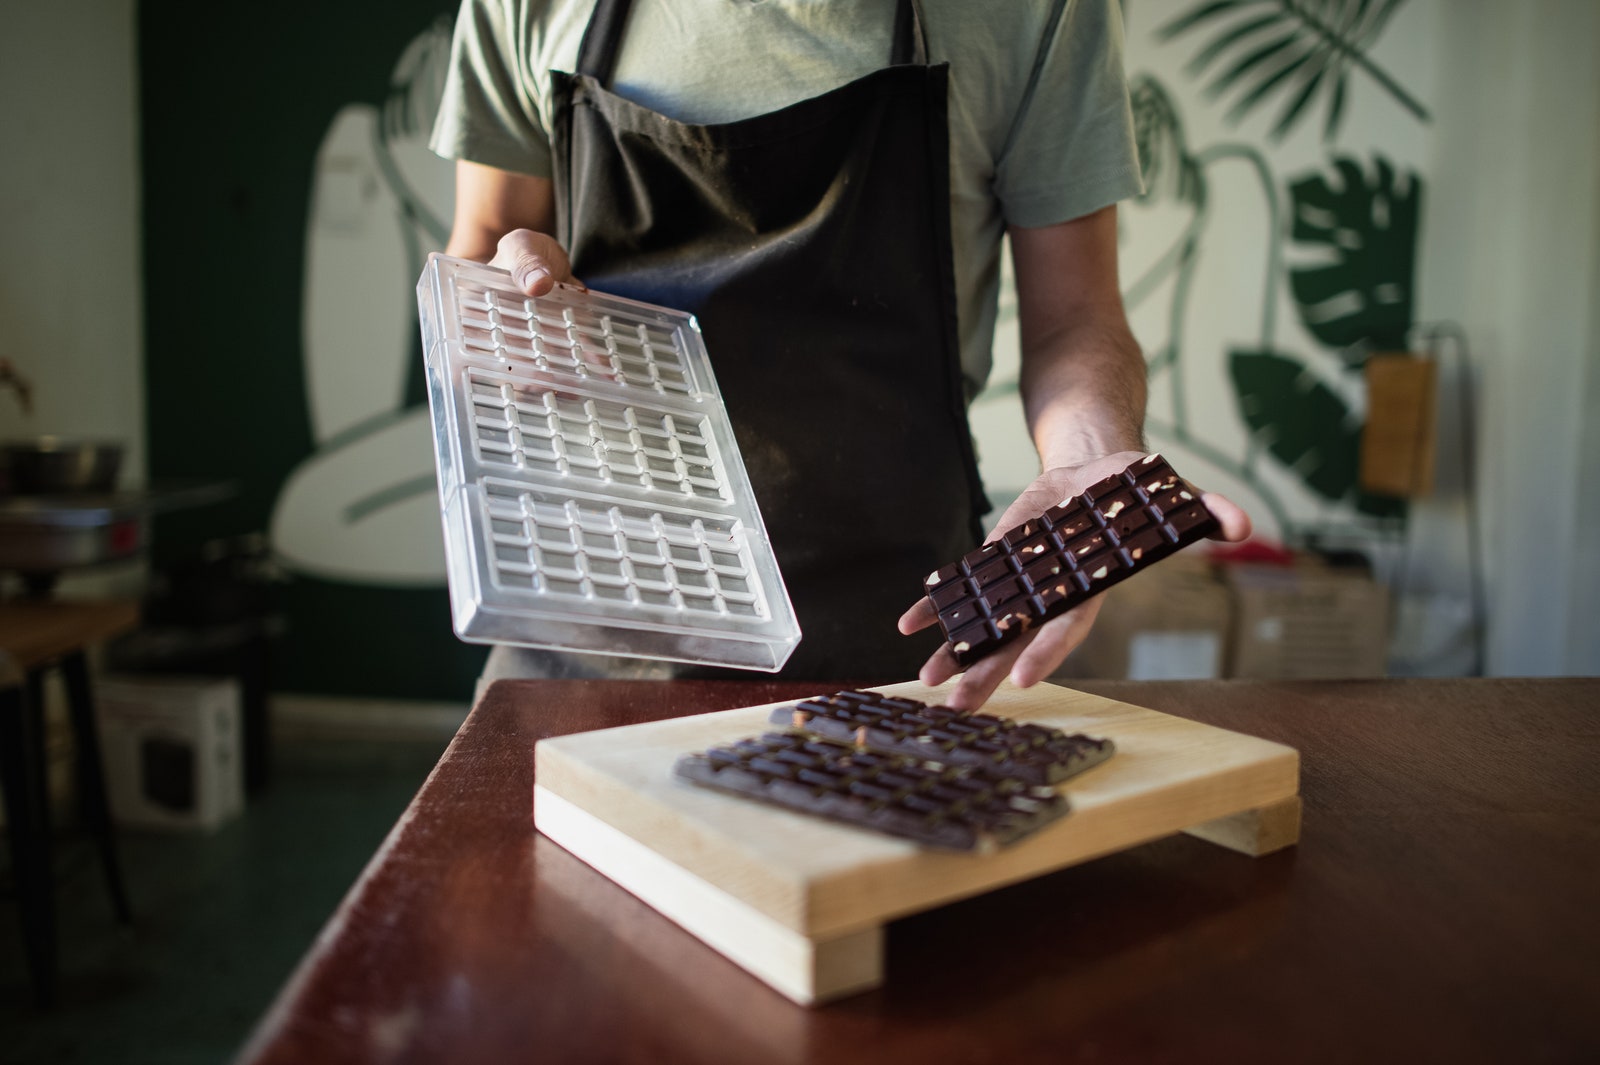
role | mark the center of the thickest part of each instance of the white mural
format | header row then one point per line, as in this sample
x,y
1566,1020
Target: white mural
x,y
363,508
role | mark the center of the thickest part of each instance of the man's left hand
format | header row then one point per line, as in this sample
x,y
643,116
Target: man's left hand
x,y
1037,653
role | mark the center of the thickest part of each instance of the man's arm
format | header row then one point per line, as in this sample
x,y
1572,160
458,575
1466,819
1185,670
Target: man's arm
x,y
507,220
1083,393
1083,373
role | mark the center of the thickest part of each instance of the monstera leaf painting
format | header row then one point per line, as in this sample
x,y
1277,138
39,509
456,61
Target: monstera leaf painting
x,y
1364,234
1352,241
1305,425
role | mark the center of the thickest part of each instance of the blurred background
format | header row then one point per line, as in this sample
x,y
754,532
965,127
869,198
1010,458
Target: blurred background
x,y
1364,274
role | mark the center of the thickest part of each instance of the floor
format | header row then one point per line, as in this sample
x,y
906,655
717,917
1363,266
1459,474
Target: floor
x,y
220,920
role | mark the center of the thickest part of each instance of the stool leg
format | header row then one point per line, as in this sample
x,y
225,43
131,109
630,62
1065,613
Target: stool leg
x,y
96,811
22,775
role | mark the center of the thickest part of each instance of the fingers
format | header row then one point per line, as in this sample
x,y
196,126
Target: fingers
x,y
1054,642
978,682
534,260
940,667
1028,659
919,617
1235,522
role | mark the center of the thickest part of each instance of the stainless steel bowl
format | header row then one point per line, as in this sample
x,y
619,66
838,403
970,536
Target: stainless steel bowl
x,y
49,465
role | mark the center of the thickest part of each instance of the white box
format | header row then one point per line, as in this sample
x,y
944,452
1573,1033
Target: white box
x,y
172,750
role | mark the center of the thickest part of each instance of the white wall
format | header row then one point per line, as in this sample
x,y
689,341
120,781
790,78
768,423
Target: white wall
x,y
1583,627
1512,252
70,290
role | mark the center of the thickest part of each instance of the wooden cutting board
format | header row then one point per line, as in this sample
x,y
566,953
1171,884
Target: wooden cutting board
x,y
801,902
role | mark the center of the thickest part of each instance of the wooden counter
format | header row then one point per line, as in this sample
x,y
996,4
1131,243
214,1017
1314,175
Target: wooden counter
x,y
1443,905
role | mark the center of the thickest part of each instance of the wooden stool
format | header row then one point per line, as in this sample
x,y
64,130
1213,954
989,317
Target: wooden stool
x,y
34,638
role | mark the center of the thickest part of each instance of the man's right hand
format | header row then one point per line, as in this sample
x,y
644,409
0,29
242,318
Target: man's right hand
x,y
505,219
535,261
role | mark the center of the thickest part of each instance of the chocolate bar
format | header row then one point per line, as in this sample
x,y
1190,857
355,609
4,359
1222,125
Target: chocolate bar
x,y
964,807
1037,754
1050,564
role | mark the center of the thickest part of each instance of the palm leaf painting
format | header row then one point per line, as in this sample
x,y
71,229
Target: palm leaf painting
x,y
1358,295
1295,50
1164,159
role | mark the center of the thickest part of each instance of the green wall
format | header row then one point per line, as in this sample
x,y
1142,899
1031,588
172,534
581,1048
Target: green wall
x,y
235,100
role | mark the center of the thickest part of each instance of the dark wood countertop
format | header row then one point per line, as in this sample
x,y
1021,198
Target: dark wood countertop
x,y
1443,905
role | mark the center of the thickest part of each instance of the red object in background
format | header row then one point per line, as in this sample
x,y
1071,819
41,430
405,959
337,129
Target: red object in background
x,y
123,537
1268,552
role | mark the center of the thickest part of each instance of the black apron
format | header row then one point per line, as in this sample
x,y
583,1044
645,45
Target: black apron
x,y
813,244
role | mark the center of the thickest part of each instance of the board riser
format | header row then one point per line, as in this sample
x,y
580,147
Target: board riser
x,y
801,902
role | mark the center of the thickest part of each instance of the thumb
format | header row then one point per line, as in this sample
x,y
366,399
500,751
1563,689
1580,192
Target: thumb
x,y
535,260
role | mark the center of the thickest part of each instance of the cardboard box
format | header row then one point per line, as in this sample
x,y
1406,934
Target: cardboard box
x,y
1307,620
1169,623
1398,442
171,747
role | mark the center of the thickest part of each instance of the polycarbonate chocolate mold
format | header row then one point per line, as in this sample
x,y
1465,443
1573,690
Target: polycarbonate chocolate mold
x,y
592,492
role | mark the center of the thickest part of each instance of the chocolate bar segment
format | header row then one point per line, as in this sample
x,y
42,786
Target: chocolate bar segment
x,y
1037,754
953,807
1050,564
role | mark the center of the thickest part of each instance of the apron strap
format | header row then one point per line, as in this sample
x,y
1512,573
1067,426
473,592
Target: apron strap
x,y
910,35
602,39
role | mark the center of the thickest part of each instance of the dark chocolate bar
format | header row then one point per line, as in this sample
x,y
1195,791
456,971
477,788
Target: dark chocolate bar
x,y
949,806
1050,564
1037,754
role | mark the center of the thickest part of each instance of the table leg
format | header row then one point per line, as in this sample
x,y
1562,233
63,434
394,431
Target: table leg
x,y
23,777
1255,832
92,802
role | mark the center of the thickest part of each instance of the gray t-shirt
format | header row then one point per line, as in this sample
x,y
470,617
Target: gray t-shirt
x,y
1040,127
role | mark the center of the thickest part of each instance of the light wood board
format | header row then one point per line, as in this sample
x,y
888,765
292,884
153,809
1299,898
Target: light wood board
x,y
801,902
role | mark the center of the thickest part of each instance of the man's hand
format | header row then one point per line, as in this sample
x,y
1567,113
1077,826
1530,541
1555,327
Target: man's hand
x,y
535,261
505,220
1082,382
1037,653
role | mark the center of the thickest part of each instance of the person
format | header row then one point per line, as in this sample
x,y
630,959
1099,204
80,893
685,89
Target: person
x,y
826,184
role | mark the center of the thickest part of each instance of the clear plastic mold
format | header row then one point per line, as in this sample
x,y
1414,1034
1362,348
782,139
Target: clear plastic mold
x,y
591,487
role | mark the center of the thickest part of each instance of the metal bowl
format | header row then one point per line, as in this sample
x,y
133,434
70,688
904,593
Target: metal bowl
x,y
49,465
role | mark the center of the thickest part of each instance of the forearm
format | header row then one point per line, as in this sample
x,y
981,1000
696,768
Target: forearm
x,y
472,242
1083,388
507,220
1083,393
491,203
1083,374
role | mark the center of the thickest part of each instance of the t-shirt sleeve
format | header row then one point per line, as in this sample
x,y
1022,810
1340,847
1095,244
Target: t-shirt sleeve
x,y
488,112
1071,149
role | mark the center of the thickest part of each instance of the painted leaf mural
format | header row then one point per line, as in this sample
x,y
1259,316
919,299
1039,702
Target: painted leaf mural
x,y
1164,159
1305,425
1351,245
1364,232
1301,421
1296,50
